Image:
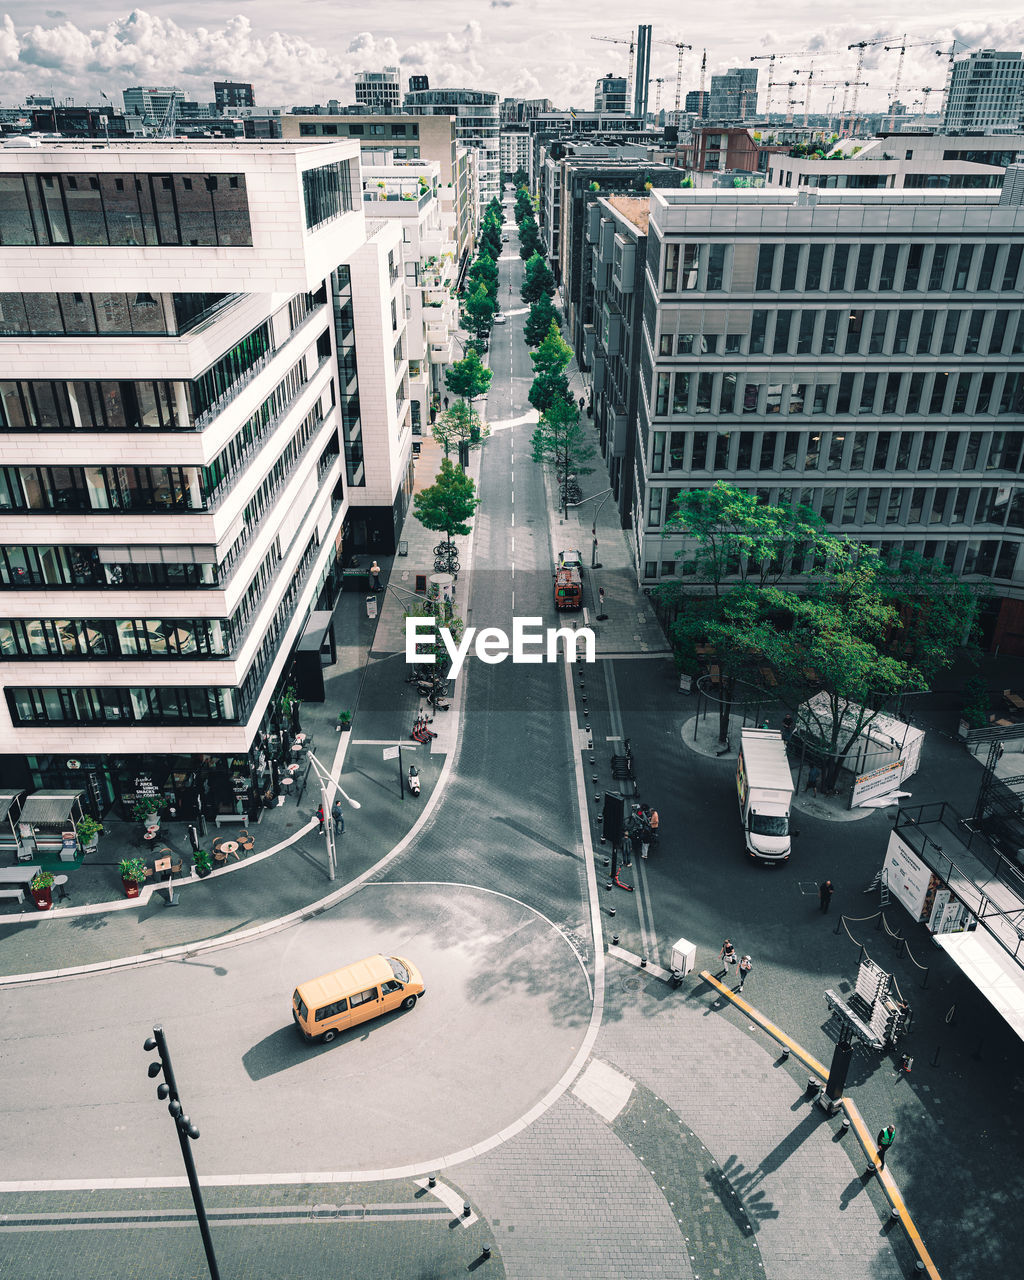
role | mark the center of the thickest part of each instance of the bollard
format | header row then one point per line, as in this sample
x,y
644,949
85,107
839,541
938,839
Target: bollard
x,y
590,746
615,939
919,1266
608,885
607,861
485,1252
593,777
586,728
466,1210
846,1124
603,841
785,1053
813,1085
611,910
583,697
894,1214
432,1180
593,760
597,797
643,962
677,977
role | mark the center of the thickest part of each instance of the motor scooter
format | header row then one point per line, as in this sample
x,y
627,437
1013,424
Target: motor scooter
x,y
414,780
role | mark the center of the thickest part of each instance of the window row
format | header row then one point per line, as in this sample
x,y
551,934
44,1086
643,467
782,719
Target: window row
x,y
113,637
124,209
138,566
728,451
941,394
867,505
327,192
837,267
63,314
99,706
990,558
839,331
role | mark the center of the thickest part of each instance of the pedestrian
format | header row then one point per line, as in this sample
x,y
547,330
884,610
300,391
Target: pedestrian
x,y
339,818
787,728
728,956
320,817
746,964
813,777
825,891
886,1137
375,576
764,724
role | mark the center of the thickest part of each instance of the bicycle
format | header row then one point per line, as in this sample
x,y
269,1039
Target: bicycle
x,y
443,565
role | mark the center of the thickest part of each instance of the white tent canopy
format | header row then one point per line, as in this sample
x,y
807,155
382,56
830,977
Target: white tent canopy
x,y
998,977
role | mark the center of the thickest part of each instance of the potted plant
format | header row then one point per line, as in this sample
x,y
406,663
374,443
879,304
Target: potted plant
x,y
133,873
148,811
344,721
202,863
41,889
88,830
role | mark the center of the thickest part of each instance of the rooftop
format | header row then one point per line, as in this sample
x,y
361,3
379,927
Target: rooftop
x,y
637,209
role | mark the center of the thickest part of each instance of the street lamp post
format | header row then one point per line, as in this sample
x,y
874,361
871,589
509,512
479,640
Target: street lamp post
x,y
328,786
603,495
187,1133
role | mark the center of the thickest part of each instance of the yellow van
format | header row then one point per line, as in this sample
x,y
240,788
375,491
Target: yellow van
x,y
329,1005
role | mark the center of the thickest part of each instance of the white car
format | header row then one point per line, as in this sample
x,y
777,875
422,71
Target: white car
x,y
500,318
570,559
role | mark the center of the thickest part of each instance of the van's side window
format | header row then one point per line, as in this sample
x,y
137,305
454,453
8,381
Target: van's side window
x,y
362,997
387,987
330,1010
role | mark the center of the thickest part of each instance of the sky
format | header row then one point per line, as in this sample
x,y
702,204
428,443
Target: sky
x,y
309,51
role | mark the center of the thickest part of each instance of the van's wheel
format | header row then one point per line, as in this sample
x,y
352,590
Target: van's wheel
x,y
328,1036
408,1002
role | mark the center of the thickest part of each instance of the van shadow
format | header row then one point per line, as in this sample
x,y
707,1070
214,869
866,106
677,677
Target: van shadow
x,y
285,1048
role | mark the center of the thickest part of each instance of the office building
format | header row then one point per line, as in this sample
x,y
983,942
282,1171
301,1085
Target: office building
x,y
861,353
381,91
210,414
696,103
986,93
514,149
229,94
476,125
522,110
416,83
80,122
902,160
610,93
152,104
642,78
733,95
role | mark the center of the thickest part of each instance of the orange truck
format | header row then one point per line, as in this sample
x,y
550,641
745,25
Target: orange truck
x,y
568,589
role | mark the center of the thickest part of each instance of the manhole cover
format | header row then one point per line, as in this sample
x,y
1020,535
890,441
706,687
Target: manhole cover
x,y
631,984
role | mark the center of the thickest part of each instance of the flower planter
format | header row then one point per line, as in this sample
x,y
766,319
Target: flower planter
x,y
43,898
131,888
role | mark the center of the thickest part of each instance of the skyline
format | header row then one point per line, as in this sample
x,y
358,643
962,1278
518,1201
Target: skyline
x,y
505,46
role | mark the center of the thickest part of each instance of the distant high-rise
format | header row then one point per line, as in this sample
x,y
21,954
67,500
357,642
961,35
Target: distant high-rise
x,y
610,93
476,115
417,83
986,93
149,102
379,90
734,95
697,103
641,82
233,93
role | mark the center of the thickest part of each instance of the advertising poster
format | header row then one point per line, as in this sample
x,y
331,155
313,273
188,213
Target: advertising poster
x,y
908,878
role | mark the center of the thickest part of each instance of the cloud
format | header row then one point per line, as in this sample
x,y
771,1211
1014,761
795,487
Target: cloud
x,y
503,4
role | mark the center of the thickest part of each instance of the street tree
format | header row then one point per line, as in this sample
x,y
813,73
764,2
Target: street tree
x,y
550,361
537,280
459,425
529,237
543,314
521,178
560,444
482,270
448,504
523,206
468,378
478,310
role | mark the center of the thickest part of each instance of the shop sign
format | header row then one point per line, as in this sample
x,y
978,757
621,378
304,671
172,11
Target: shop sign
x,y
877,783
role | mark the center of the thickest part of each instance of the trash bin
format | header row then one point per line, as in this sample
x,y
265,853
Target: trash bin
x,y
371,606
684,956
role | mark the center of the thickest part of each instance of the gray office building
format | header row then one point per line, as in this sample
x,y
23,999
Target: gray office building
x,y
733,95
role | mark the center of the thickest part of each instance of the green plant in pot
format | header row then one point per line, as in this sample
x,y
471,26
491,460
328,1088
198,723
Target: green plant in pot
x,y
88,830
133,873
41,889
202,863
148,811
344,721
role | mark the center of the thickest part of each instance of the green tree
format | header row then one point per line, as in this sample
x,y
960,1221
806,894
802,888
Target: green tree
x,y
448,504
523,206
537,280
559,443
543,314
482,270
495,210
529,237
478,310
461,424
521,178
550,361
469,377
553,354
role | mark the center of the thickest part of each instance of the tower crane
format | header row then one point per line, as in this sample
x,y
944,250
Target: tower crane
x,y
632,55
770,58
680,48
917,44
790,101
939,53
659,81
857,83
845,85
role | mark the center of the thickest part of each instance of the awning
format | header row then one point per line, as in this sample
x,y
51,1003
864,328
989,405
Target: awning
x,y
49,807
7,798
994,972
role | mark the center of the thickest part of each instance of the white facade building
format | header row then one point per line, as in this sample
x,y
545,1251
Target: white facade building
x,y
477,117
514,147
203,399
986,93
379,90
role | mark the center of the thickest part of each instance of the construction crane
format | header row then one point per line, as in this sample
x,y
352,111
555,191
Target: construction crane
x,y
770,58
857,83
939,53
659,81
632,55
845,85
918,44
680,48
165,129
790,101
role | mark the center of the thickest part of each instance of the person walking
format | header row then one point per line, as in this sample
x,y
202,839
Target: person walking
x,y
728,956
375,583
746,964
320,817
813,778
825,891
339,818
886,1137
787,728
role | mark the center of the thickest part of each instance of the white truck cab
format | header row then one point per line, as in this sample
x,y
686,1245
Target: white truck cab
x,y
764,788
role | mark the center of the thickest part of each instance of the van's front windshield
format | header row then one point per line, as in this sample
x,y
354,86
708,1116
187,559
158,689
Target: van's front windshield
x,y
766,824
398,969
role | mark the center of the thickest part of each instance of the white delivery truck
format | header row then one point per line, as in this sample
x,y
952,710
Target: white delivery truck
x,y
764,787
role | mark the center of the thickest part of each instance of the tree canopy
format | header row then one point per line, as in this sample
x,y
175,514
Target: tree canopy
x,y
478,309
461,424
560,444
523,206
529,237
543,314
549,363
448,504
469,377
537,280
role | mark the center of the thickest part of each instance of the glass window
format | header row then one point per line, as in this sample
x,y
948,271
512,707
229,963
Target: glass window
x,y
327,193
840,261
790,263
854,328
773,400
828,504
929,439
194,199
985,393
768,443
716,267
960,394
758,325
1012,268
765,266
867,393
917,497
705,383
671,276
860,444
887,275
15,219
892,514
974,440
949,331
745,452
815,258
962,270
829,332
939,387
902,334
700,450
892,392
797,396
681,393
727,403
988,267
937,273
751,395
926,332
654,508
845,393
821,398
850,499
783,324
837,445
662,393
904,445
677,450
722,439
813,452
915,391
665,344
806,334
912,274
949,448
865,263
871,506
973,340
658,451
883,440
791,450
876,343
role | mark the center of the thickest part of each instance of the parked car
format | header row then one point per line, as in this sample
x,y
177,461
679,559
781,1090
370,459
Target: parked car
x,y
500,318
